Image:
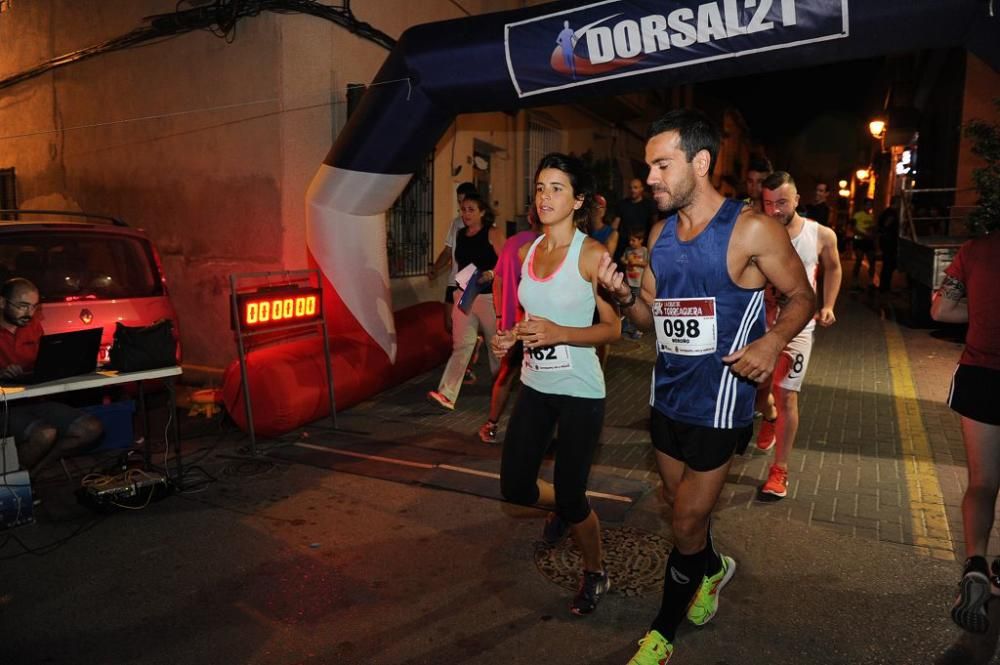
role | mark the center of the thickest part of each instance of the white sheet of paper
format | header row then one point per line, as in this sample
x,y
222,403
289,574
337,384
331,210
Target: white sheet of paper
x,y
463,275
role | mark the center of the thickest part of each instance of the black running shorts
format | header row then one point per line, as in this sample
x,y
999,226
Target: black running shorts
x,y
701,448
974,393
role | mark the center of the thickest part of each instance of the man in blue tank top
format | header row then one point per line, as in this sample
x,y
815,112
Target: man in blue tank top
x,y
702,295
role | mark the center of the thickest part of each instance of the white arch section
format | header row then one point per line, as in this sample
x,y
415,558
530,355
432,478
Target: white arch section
x,y
345,234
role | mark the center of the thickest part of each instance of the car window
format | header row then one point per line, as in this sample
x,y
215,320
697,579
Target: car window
x,y
69,266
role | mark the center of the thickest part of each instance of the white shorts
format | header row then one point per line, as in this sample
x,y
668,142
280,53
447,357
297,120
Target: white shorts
x,y
798,350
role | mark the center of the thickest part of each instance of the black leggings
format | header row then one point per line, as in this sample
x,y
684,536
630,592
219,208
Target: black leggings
x,y
529,433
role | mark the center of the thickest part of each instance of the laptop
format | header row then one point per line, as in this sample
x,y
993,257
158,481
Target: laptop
x,y
62,355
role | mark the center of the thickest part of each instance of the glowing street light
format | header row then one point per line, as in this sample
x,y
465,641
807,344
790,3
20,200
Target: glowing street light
x,y
844,192
862,174
877,128
842,184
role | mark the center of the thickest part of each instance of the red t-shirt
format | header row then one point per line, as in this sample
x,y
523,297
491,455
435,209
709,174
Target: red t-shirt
x,y
977,265
21,346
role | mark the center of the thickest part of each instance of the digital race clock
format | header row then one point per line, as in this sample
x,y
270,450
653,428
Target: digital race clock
x,y
277,306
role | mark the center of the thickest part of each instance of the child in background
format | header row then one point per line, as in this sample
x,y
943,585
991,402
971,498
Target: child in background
x,y
635,259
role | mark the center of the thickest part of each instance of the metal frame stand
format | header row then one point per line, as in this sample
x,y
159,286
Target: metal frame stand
x,y
242,283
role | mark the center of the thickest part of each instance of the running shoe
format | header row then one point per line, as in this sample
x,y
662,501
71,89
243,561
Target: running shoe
x,y
654,649
776,487
705,603
488,432
765,436
555,529
441,400
969,610
592,587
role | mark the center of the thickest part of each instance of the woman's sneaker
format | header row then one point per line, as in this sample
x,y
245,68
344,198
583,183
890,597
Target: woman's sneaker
x,y
969,610
592,587
441,400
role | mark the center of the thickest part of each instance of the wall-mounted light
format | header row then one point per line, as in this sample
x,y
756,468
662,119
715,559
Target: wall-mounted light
x,y
862,174
842,184
877,128
844,192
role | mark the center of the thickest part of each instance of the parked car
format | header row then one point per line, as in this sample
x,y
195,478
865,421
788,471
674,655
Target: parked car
x,y
90,270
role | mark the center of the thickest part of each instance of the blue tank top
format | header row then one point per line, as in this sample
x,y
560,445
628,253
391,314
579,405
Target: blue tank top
x,y
565,298
700,315
603,235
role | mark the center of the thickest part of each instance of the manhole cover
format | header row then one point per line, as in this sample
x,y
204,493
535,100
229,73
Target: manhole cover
x,y
635,560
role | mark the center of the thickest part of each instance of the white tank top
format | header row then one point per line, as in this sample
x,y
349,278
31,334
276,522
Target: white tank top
x,y
806,245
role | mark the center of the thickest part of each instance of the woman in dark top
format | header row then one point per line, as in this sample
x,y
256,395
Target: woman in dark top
x,y
478,245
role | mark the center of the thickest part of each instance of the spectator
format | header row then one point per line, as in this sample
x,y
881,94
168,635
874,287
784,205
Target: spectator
x,y
864,243
758,169
888,242
636,212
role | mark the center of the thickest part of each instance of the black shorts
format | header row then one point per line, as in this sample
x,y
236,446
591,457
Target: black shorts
x,y
974,393
449,294
701,448
24,418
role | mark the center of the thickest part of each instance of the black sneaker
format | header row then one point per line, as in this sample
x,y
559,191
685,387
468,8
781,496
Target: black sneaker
x,y
555,529
969,610
592,587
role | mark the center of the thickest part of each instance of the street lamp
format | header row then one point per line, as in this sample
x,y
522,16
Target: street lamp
x,y
862,174
877,128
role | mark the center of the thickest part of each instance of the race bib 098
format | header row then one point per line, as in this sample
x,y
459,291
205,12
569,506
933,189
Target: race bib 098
x,y
685,326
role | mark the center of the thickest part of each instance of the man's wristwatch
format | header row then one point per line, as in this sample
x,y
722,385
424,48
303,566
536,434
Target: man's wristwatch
x,y
628,303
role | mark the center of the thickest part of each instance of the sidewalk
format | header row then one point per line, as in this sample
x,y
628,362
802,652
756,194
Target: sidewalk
x,y
276,563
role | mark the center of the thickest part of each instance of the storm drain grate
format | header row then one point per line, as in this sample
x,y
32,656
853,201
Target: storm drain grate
x,y
635,559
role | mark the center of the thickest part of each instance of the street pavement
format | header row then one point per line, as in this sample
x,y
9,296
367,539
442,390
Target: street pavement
x,y
266,562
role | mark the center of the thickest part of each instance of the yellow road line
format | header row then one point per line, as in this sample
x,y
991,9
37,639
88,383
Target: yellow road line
x,y
930,523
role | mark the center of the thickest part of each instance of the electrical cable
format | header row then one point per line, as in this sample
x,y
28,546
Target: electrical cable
x,y
220,18
49,547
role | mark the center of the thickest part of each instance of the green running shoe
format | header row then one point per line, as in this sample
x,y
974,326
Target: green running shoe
x,y
705,603
654,649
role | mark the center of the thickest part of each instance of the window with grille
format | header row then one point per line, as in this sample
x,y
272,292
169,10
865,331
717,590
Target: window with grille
x,y
544,136
410,225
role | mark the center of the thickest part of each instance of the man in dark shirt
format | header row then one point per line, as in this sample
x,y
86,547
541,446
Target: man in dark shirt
x,y
818,210
42,431
636,212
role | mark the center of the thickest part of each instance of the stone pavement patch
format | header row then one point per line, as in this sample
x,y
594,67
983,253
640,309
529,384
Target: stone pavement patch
x,y
635,558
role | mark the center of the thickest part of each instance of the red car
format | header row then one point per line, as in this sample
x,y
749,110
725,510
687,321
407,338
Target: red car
x,y
90,270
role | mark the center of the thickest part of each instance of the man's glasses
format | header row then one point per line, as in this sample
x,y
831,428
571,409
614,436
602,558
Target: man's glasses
x,y
24,306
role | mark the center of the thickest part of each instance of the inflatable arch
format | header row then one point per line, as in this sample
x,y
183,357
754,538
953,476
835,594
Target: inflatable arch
x,y
549,54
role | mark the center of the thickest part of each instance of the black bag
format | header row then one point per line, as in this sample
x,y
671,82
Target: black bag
x,y
137,348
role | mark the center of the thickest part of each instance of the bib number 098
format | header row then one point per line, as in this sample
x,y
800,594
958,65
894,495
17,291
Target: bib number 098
x,y
681,328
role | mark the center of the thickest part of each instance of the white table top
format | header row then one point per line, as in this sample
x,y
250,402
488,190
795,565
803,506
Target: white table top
x,y
97,379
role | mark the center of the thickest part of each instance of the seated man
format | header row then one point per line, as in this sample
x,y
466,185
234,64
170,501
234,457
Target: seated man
x,y
43,431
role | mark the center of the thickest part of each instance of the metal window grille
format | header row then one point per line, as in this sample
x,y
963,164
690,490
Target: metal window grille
x,y
543,137
8,193
410,225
